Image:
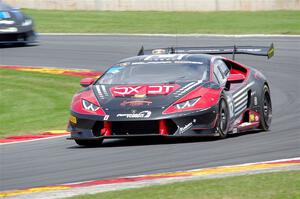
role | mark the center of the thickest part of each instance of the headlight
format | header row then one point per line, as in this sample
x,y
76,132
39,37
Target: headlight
x,y
187,104
89,106
27,22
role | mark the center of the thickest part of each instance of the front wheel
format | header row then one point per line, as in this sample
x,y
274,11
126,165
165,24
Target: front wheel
x,y
223,120
266,109
89,143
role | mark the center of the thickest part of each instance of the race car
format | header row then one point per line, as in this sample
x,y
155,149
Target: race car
x,y
175,92
15,26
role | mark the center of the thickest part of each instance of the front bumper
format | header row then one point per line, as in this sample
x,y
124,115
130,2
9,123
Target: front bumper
x,y
27,37
196,123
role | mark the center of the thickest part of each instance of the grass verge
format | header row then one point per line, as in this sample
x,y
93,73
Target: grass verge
x,y
33,102
260,22
279,185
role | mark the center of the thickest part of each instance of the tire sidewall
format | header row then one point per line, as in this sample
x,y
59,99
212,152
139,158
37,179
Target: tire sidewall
x,y
263,124
223,106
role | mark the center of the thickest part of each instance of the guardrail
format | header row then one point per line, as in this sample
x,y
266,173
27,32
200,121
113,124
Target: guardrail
x,y
158,5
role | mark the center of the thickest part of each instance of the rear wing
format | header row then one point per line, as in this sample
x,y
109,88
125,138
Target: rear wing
x,y
248,50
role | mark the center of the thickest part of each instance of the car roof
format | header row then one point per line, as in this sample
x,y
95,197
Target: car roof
x,y
167,57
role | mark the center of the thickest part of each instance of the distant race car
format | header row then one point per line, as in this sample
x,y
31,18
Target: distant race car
x,y
178,91
15,26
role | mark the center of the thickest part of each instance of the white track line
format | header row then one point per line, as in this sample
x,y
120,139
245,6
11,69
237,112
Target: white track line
x,y
38,139
167,35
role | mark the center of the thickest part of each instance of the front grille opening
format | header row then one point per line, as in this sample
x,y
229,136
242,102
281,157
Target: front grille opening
x,y
97,128
135,127
172,127
13,37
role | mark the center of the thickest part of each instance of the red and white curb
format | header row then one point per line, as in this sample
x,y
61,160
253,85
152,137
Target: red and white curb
x,y
96,186
33,137
56,71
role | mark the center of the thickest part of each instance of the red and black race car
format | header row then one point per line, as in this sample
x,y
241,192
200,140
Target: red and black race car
x,y
178,91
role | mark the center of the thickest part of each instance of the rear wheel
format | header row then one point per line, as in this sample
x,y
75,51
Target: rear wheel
x,y
265,109
223,120
89,143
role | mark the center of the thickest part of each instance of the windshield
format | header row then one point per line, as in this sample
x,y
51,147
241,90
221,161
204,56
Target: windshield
x,y
156,72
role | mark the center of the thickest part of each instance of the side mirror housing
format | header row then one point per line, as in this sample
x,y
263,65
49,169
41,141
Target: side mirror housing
x,y
86,82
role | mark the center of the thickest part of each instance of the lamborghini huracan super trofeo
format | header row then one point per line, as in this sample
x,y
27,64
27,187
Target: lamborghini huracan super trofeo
x,y
181,91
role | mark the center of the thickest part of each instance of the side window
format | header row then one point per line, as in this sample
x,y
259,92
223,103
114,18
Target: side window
x,y
221,71
223,68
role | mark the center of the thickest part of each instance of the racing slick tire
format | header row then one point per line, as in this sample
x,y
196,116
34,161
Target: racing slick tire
x,y
89,143
223,118
265,109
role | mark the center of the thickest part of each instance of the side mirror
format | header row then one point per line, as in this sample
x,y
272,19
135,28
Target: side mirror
x,y
234,78
86,82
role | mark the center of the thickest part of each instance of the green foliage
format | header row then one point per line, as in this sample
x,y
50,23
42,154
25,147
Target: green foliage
x,y
260,22
33,102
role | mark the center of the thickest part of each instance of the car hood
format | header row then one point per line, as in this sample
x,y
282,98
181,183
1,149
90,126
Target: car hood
x,y
146,100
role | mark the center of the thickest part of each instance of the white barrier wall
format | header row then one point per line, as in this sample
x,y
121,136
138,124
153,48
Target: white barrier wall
x,y
158,5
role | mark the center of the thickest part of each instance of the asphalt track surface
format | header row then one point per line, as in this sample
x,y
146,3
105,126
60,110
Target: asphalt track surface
x,y
54,161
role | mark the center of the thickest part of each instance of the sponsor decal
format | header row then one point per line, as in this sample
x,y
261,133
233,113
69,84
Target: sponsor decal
x,y
235,130
136,103
115,69
252,118
139,96
4,15
99,91
158,51
158,57
104,90
106,117
124,64
185,127
187,88
143,114
255,101
245,124
73,119
118,91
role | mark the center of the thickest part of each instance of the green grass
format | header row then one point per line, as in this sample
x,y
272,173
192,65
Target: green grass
x,y
272,22
33,102
281,185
